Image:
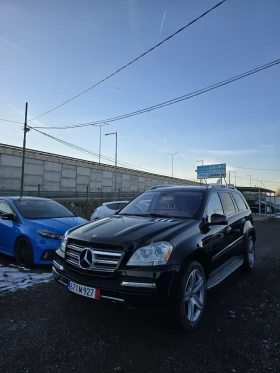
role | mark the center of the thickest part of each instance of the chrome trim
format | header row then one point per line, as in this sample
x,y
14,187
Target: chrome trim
x,y
139,284
102,261
58,266
96,269
228,247
61,282
112,298
76,256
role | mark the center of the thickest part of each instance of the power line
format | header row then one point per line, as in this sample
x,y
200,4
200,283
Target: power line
x,y
131,62
93,154
124,164
11,121
258,169
172,101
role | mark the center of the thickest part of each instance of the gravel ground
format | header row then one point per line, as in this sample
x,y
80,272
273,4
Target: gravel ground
x,y
45,329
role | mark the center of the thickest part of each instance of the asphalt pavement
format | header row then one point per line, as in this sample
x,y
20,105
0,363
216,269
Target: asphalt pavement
x,y
43,328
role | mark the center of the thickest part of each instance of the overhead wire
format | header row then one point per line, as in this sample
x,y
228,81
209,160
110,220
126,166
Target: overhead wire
x,y
169,102
124,164
131,62
11,121
93,154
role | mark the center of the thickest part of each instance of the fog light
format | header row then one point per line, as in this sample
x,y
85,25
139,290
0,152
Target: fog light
x,y
139,284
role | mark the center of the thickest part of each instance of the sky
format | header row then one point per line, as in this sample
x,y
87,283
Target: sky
x,y
52,50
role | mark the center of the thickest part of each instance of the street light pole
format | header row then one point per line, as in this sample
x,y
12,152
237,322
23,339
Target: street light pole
x,y
172,154
100,128
116,157
250,180
234,177
25,130
202,163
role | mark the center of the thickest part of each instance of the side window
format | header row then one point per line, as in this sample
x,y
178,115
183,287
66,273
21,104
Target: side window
x,y
113,206
227,203
5,208
214,205
239,201
121,205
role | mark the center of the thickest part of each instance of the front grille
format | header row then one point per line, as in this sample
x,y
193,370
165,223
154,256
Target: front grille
x,y
103,261
109,283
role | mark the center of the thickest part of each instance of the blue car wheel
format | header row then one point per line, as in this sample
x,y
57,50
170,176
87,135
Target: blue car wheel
x,y
24,252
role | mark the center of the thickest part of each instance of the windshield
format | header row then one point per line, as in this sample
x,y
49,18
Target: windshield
x,y
42,209
175,204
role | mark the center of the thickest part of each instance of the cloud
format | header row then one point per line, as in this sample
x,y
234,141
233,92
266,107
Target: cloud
x,y
225,152
163,18
132,16
13,45
22,113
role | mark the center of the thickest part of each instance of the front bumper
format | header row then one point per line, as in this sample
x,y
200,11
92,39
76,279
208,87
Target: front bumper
x,y
135,288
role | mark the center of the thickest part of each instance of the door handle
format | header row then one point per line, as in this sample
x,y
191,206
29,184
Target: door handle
x,y
228,229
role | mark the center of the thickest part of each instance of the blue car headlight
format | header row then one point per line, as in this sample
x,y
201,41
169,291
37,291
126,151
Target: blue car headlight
x,y
47,234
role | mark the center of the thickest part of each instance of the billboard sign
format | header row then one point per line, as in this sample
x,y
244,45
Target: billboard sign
x,y
211,171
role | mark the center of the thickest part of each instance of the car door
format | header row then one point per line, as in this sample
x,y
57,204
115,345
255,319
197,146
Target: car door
x,y
9,229
242,217
232,231
214,241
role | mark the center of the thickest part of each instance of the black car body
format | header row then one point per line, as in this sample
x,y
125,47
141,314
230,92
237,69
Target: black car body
x,y
142,258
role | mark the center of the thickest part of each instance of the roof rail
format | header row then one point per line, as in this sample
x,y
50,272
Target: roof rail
x,y
220,186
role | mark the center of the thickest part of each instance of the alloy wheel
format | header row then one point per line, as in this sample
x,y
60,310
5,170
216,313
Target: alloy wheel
x,y
194,295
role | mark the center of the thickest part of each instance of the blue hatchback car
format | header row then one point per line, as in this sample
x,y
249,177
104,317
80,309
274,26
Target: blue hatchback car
x,y
31,229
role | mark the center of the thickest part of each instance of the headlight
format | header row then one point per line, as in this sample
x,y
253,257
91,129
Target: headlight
x,y
155,254
64,241
47,234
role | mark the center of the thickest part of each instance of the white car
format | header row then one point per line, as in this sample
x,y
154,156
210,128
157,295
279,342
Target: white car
x,y
107,209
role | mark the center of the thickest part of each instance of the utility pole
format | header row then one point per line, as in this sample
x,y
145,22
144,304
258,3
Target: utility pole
x,y
250,180
172,154
116,157
100,128
25,130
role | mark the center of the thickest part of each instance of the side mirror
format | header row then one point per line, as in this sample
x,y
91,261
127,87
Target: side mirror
x,y
218,219
8,216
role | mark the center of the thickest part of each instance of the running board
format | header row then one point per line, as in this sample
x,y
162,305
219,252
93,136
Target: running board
x,y
224,271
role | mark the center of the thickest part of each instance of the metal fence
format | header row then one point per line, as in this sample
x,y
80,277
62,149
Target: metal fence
x,y
98,194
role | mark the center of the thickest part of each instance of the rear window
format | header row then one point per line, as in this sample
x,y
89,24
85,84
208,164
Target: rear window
x,y
239,202
113,206
42,209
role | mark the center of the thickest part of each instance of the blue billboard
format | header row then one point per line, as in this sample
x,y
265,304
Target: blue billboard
x,y
211,171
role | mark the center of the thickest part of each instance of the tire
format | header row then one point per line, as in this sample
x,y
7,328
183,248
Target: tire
x,y
24,252
249,254
189,302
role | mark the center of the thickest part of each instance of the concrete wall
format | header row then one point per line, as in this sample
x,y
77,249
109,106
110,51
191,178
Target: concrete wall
x,y
58,173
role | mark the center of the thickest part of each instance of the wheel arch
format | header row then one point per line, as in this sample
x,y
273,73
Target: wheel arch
x,y
200,256
19,238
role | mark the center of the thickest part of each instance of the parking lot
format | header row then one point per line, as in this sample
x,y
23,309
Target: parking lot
x,y
43,328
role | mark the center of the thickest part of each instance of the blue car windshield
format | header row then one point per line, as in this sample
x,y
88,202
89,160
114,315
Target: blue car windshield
x,y
42,209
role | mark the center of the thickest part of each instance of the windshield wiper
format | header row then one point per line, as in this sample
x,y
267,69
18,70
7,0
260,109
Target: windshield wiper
x,y
126,214
155,215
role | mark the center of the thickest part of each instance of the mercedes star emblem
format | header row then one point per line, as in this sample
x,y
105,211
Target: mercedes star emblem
x,y
86,259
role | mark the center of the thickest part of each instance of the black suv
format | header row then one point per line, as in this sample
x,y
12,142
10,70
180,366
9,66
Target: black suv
x,y
164,249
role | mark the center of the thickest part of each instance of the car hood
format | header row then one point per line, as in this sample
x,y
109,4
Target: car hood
x,y
57,225
127,230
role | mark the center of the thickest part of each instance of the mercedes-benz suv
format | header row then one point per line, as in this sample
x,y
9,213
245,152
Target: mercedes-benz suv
x,y
164,249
